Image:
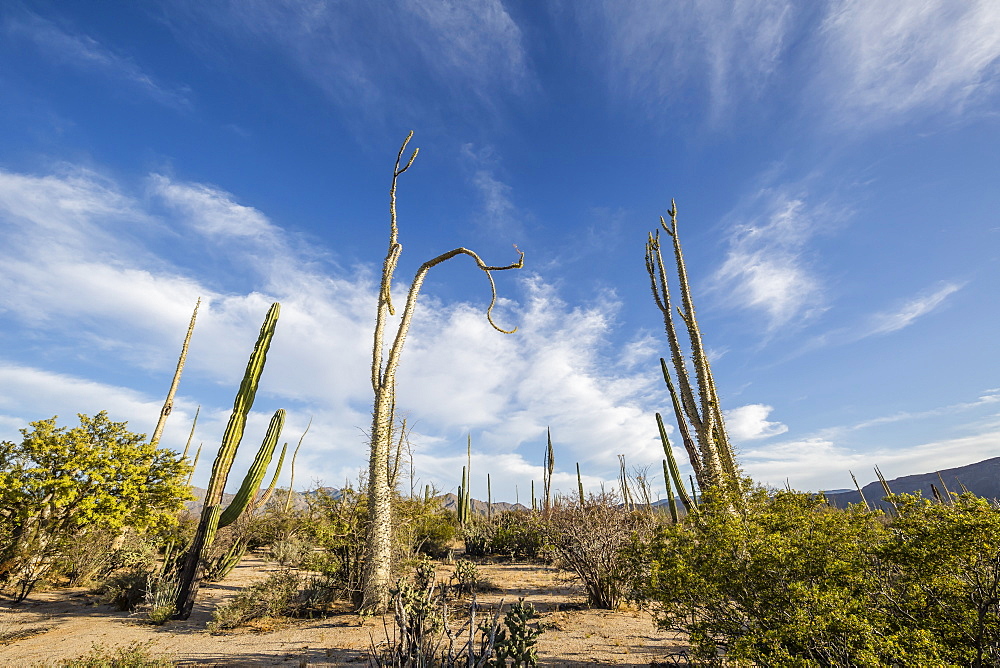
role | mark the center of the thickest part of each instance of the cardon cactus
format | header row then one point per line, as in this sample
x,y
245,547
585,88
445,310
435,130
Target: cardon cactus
x,y
212,514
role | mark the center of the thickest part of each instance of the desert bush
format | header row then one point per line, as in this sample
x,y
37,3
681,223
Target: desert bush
x,y
133,655
785,579
284,593
938,573
511,534
596,543
780,581
275,596
293,551
60,483
126,589
425,527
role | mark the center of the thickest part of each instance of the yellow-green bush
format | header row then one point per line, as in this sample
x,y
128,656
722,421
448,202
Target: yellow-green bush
x,y
784,579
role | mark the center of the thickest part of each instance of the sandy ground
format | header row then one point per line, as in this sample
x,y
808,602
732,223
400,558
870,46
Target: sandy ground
x,y
60,624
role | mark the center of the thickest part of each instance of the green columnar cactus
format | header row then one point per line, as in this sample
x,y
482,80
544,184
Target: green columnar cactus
x,y
463,498
688,502
194,565
579,485
224,564
247,493
550,465
672,502
489,499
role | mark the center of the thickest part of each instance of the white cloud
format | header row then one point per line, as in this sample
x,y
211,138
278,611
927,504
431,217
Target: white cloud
x,y
748,423
766,267
906,315
105,295
213,212
888,59
85,53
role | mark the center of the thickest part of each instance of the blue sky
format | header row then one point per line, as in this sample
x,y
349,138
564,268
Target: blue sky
x,y
835,165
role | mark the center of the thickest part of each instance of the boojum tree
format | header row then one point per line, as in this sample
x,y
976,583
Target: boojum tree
x,y
377,574
693,394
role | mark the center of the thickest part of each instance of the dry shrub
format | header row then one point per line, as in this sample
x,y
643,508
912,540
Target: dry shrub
x,y
596,543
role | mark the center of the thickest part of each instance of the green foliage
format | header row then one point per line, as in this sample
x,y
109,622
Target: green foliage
x,y
511,534
787,580
133,655
939,572
424,526
60,483
517,641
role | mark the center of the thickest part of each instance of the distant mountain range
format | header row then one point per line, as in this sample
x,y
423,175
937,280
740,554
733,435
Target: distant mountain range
x,y
981,478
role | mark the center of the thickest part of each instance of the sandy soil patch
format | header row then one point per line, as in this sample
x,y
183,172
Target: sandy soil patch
x,y
61,624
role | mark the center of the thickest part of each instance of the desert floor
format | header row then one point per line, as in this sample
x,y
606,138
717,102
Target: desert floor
x,y
66,623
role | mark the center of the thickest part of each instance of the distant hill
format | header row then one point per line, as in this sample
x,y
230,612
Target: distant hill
x,y
450,502
981,478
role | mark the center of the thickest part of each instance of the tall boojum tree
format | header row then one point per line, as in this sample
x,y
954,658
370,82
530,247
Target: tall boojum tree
x,y
695,399
376,579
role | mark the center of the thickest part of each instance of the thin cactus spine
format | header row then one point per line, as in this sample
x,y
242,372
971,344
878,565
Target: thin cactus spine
x,y
168,404
295,456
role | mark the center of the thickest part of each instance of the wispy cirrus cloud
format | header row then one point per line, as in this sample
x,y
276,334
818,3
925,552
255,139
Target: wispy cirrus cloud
x,y
884,60
84,53
726,51
500,215
766,267
908,313
373,59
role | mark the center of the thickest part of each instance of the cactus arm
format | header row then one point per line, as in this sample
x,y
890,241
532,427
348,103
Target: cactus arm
x,y
241,408
688,502
251,483
670,493
269,492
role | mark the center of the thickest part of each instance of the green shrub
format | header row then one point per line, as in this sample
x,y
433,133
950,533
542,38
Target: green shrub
x,y
275,596
939,572
511,534
784,579
134,655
